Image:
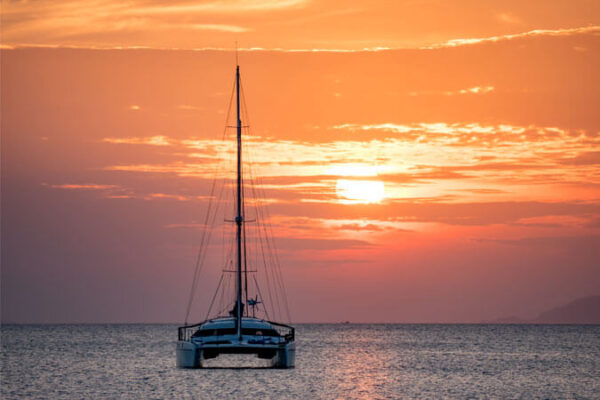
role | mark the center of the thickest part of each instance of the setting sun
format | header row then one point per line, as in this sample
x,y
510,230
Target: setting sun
x,y
353,191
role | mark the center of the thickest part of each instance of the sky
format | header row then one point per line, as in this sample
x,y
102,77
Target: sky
x,y
422,161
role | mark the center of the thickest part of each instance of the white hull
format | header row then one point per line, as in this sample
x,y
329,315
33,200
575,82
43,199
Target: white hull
x,y
286,357
189,355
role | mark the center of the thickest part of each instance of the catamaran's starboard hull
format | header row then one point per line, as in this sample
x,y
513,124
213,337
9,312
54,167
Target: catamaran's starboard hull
x,y
188,355
191,355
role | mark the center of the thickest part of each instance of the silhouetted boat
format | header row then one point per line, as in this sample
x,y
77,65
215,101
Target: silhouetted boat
x,y
238,332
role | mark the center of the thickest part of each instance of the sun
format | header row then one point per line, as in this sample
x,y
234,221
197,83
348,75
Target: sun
x,y
360,191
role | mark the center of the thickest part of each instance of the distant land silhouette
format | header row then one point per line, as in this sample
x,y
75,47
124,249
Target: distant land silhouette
x,y
585,310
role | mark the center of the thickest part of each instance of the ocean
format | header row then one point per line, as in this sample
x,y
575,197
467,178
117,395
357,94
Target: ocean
x,y
333,361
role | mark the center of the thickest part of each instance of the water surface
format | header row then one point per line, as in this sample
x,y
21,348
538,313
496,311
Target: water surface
x,y
332,362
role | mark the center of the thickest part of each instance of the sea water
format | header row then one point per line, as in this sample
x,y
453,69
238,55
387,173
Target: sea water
x,y
337,361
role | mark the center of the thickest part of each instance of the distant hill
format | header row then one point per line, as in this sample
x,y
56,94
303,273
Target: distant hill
x,y
585,310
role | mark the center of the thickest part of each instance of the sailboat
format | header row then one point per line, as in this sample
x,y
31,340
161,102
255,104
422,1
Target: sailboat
x,y
239,331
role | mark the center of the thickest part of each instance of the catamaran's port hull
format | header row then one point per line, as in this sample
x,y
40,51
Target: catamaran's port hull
x,y
191,355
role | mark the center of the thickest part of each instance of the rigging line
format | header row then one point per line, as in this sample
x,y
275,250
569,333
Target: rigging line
x,y
224,301
204,244
197,268
243,233
225,239
271,271
268,271
276,264
231,289
222,296
210,231
260,205
256,229
261,297
244,198
229,258
245,264
219,199
250,165
214,296
264,261
277,261
202,247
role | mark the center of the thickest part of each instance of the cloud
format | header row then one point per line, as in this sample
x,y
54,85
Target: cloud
x,y
434,128
583,158
217,27
508,18
447,213
188,107
187,226
61,22
84,186
555,221
171,196
299,244
476,90
359,227
152,140
230,6
587,243
471,90
532,33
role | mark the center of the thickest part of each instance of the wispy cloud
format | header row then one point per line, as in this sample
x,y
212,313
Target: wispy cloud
x,y
533,33
231,6
171,196
25,22
189,107
441,128
84,186
152,140
219,28
584,158
471,90
508,18
476,90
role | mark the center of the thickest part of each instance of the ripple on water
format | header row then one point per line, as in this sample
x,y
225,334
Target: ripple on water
x,y
333,361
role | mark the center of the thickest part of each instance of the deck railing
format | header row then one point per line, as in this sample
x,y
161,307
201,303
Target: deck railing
x,y
185,333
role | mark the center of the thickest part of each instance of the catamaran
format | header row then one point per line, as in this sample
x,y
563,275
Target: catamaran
x,y
243,326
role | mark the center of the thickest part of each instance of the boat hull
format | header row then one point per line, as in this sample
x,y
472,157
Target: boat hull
x,y
188,354
285,357
191,355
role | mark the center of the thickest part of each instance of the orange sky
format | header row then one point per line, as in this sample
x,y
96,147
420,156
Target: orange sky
x,y
434,162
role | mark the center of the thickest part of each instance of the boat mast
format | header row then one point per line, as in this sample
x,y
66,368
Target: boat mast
x,y
239,218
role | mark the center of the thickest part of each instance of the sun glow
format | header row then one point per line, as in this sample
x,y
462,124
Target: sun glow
x,y
353,169
354,191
